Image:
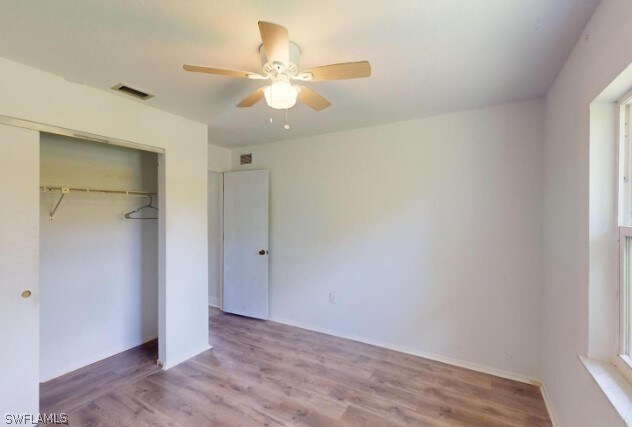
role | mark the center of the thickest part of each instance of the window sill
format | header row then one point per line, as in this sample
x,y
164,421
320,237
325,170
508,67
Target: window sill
x,y
615,386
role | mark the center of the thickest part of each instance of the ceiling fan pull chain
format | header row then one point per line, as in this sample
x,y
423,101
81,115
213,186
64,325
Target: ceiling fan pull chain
x,y
286,126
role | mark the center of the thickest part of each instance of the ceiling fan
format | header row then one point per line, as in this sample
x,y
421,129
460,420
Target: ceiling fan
x,y
279,59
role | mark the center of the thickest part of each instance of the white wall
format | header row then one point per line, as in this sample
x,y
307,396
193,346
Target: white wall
x,y
98,270
218,158
41,97
603,51
428,231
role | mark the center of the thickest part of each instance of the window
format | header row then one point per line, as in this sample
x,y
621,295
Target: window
x,y
625,229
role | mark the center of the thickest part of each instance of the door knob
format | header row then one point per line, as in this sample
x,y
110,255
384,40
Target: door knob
x,y
26,294
262,252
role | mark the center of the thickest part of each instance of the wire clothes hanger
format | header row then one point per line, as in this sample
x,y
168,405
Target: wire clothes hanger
x,y
147,206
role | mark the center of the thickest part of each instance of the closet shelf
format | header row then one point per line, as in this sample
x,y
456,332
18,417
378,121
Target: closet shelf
x,y
66,190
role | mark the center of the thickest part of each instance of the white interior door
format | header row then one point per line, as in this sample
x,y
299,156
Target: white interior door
x,y
19,271
246,243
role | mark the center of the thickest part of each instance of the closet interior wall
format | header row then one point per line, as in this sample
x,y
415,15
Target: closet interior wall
x,y
98,270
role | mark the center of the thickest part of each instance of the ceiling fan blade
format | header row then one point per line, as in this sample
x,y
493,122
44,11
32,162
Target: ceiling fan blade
x,y
276,42
252,99
312,99
222,72
347,70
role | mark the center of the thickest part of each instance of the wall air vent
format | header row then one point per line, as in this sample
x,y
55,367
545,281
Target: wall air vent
x,y
132,92
245,159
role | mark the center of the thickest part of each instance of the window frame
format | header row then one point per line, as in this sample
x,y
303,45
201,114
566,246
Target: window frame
x,y
625,300
623,361
624,143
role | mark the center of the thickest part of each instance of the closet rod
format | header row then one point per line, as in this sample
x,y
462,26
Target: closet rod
x,y
64,190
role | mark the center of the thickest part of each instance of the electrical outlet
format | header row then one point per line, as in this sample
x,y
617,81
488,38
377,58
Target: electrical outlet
x,y
332,297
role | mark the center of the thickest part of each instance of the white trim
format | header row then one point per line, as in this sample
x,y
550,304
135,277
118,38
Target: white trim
x,y
415,352
220,297
614,385
549,405
217,301
624,297
623,162
622,362
626,99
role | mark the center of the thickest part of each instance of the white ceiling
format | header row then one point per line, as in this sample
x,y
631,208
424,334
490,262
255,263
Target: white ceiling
x,y
428,56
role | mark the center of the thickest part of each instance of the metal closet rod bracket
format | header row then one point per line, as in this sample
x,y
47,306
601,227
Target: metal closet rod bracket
x,y
63,191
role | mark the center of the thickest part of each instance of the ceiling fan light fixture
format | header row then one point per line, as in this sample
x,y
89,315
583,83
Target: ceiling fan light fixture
x,y
281,95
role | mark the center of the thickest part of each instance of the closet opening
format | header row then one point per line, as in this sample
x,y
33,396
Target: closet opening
x,y
99,280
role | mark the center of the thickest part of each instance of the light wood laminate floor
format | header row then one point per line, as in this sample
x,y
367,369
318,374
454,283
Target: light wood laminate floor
x,y
261,373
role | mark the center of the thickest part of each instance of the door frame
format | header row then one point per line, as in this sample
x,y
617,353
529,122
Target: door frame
x,y
42,127
220,175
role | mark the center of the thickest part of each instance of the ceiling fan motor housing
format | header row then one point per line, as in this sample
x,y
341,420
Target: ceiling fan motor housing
x,y
273,68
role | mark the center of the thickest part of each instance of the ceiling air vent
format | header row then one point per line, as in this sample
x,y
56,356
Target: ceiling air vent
x,y
131,91
245,159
